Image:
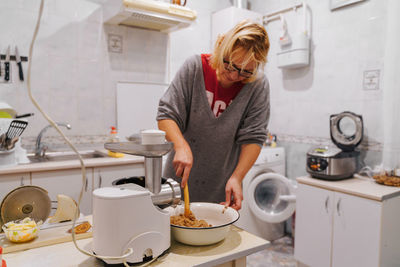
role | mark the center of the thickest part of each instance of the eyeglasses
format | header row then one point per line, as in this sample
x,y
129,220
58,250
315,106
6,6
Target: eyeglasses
x,y
232,67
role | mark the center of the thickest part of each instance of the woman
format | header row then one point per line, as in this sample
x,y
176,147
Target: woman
x,y
216,111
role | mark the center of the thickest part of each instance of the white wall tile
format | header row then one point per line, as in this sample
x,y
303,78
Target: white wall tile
x,y
74,75
345,42
90,37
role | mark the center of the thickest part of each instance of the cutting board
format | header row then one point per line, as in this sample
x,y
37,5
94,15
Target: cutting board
x,y
46,237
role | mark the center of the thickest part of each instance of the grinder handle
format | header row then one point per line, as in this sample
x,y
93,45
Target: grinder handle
x,y
187,203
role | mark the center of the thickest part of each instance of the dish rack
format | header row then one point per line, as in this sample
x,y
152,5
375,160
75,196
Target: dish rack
x,y
10,130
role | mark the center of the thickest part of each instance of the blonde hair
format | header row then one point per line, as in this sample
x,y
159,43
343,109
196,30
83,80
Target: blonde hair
x,y
246,35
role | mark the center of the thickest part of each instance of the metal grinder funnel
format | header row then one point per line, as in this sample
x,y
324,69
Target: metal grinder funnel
x,y
153,159
25,201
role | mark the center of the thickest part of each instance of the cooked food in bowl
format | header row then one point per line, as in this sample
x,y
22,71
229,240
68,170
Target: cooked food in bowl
x,y
21,231
188,221
216,215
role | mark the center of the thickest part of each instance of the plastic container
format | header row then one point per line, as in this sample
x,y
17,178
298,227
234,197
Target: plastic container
x,y
20,232
113,138
152,137
7,158
2,262
1,255
20,153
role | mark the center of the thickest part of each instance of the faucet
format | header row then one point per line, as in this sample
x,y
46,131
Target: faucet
x,y
40,150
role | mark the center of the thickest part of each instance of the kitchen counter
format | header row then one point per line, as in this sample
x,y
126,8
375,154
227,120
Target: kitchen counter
x,y
233,249
71,164
366,188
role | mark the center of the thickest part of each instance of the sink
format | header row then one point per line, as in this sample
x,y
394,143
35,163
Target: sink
x,y
63,156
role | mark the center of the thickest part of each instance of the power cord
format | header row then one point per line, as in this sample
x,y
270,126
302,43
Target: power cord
x,y
51,121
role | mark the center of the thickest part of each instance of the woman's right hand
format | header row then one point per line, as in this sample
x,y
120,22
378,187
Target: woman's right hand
x,y
183,162
183,159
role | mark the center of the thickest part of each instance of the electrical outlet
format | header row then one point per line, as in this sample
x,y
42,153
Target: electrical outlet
x,y
371,79
114,43
3,72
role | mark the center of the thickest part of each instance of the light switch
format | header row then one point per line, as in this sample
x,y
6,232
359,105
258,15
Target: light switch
x,y
114,43
371,80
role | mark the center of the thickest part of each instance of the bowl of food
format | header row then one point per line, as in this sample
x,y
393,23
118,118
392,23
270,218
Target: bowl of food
x,y
208,224
21,231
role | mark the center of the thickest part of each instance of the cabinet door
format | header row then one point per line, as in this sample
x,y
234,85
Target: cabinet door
x,y
67,182
313,229
9,182
356,238
104,176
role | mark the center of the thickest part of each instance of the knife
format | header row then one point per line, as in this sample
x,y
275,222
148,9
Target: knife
x,y
24,115
18,60
7,64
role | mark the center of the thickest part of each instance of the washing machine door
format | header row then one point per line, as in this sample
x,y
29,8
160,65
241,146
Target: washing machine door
x,y
271,197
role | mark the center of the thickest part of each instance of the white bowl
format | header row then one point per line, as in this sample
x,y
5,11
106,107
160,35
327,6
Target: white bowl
x,y
217,215
6,110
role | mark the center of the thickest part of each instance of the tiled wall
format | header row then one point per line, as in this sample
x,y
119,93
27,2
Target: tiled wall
x,y
74,76
344,44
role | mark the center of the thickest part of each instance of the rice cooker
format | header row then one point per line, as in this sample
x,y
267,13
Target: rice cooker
x,y
341,162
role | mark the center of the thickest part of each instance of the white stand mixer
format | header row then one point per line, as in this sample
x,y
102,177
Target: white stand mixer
x,y
127,216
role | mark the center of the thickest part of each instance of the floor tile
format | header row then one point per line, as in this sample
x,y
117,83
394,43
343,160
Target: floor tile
x,y
279,253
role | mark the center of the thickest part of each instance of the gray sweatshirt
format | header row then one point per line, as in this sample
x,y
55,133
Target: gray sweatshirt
x,y
215,141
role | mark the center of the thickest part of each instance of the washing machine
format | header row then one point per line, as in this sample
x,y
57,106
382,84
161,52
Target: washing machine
x,y
268,196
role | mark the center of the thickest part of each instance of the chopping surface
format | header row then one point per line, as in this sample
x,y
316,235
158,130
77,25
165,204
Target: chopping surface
x,y
46,237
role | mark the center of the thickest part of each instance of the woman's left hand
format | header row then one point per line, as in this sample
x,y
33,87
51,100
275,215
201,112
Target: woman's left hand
x,y
233,193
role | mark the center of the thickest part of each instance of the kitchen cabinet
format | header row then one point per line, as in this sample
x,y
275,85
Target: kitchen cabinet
x,y
104,176
314,209
12,181
67,182
64,177
356,224
344,229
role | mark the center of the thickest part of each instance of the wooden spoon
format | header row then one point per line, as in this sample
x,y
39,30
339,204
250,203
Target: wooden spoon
x,y
187,203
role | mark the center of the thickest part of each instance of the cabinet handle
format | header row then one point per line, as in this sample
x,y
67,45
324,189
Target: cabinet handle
x,y
338,207
326,204
86,184
100,180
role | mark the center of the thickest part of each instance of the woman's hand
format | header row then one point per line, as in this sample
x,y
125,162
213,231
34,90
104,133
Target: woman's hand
x,y
183,162
233,193
233,188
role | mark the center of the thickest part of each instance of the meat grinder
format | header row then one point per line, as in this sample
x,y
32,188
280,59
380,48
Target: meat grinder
x,y
127,216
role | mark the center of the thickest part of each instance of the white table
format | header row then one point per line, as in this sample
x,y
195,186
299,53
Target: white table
x,y
232,251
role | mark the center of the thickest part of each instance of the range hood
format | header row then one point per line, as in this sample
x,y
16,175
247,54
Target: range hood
x,y
148,14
